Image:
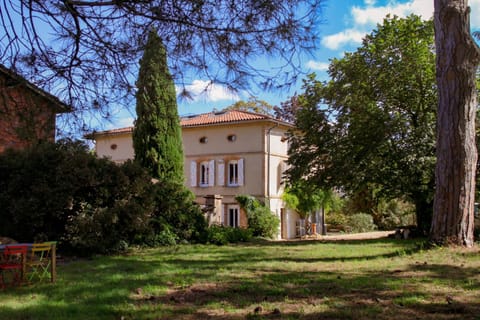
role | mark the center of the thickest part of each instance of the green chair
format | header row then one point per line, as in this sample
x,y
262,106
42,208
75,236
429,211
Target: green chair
x,y
39,261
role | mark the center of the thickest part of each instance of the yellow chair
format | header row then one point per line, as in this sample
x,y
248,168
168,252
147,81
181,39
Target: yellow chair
x,y
38,263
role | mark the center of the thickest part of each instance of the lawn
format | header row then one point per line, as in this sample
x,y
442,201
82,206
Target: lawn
x,y
366,279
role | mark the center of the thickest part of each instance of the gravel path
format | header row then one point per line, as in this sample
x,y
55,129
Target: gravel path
x,y
352,236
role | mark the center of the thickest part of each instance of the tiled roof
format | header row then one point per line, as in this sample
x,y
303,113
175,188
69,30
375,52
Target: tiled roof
x,y
109,132
211,118
120,130
228,116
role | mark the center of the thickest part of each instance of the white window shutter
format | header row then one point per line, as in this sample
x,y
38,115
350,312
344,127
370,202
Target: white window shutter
x,y
221,174
211,173
193,173
240,172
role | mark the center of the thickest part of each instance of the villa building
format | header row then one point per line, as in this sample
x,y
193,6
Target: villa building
x,y
226,154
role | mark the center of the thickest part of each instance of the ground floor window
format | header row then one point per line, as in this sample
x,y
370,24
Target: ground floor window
x,y
234,216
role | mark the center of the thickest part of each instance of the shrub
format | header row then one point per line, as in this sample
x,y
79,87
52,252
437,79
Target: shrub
x,y
174,208
63,192
217,235
221,235
361,222
393,213
336,218
261,221
166,238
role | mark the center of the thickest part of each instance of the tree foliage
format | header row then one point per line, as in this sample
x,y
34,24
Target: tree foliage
x,y
252,105
373,123
85,51
157,135
64,193
305,198
261,221
176,212
287,110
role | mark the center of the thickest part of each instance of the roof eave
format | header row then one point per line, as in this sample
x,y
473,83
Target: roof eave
x,y
61,107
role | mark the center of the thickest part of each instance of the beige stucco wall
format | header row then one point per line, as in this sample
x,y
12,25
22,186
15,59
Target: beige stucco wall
x,y
123,150
248,139
251,144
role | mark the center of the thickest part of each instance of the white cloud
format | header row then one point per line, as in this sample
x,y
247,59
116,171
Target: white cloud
x,y
335,41
210,92
364,19
371,15
315,65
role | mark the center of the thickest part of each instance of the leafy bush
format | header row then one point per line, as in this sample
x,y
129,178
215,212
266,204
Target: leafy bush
x,y
175,209
361,222
222,235
166,238
336,218
390,214
261,221
63,192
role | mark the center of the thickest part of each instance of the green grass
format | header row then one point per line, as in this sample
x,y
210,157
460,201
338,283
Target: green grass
x,y
368,279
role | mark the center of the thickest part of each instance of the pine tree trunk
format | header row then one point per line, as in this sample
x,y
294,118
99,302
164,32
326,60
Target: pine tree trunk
x,y
457,60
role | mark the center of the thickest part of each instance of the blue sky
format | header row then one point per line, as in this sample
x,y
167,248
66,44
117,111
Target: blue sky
x,y
344,24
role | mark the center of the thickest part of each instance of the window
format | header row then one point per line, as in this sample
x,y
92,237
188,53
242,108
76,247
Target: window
x,y
232,138
204,170
207,173
233,217
203,140
235,172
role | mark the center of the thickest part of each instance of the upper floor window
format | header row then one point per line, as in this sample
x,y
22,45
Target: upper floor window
x,y
235,172
206,173
230,173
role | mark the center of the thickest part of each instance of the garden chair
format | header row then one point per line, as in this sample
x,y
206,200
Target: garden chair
x,y
39,260
13,261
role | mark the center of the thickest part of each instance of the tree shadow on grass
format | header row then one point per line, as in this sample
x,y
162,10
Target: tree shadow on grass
x,y
315,295
186,283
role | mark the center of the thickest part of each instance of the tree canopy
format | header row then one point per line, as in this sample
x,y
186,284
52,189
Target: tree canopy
x,y
252,105
86,51
373,123
157,136
305,198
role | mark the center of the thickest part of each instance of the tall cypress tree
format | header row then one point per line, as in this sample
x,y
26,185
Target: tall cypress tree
x,y
157,136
